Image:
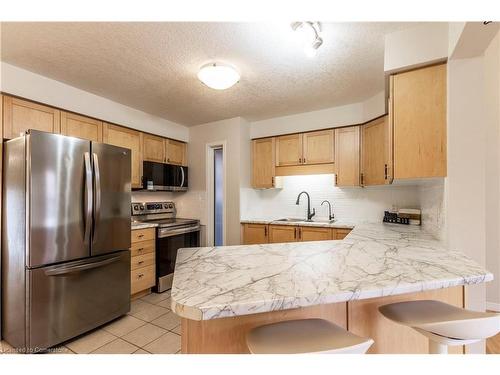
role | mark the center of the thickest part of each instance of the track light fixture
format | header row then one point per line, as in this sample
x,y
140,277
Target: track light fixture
x,y
310,35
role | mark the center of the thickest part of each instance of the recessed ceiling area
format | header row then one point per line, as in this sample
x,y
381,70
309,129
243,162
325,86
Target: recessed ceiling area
x,y
153,66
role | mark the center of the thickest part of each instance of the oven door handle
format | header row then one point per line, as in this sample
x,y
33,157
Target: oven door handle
x,y
162,233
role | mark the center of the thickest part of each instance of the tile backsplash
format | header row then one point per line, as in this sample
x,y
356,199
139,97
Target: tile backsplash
x,y
356,204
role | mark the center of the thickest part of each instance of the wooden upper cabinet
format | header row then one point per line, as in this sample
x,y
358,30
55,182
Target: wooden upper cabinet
x,y
263,164
419,119
282,233
318,147
20,115
153,148
123,137
289,150
375,152
254,234
176,152
81,127
347,146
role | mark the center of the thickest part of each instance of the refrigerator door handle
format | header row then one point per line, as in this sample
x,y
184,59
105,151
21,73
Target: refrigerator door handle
x,y
60,271
97,191
87,198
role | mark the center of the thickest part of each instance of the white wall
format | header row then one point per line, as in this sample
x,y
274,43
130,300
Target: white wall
x,y
193,204
466,181
492,119
350,114
350,204
20,82
416,46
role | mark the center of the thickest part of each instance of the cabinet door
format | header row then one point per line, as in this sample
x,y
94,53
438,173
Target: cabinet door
x,y
81,127
176,152
20,115
123,137
255,234
340,234
318,147
419,116
153,148
263,163
315,234
289,150
282,233
347,142
374,152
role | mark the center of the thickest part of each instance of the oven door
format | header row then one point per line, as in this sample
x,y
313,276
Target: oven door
x,y
167,243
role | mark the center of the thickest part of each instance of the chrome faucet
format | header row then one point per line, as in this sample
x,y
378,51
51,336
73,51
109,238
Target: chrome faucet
x,y
331,216
309,213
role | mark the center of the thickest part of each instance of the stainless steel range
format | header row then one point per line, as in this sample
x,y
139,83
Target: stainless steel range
x,y
171,234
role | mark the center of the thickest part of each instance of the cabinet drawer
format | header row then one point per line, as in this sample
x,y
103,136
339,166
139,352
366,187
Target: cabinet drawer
x,y
142,261
142,235
141,248
141,279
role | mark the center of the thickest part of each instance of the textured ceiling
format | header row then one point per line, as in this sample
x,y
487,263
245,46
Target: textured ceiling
x,y
153,66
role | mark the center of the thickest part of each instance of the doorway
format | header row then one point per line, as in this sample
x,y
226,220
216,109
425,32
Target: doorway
x,y
216,191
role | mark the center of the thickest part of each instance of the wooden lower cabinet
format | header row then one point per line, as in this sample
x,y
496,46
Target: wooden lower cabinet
x,y
142,260
315,234
361,317
340,234
254,234
365,320
282,233
228,335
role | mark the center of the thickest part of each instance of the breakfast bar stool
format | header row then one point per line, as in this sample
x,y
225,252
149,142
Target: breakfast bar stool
x,y
443,324
313,336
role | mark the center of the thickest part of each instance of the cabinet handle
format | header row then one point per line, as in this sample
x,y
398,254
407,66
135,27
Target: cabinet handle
x,y
295,233
140,236
168,159
140,262
362,179
300,233
265,231
303,160
385,171
140,275
272,181
140,249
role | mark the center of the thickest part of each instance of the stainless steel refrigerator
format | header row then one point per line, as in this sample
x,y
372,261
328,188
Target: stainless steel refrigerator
x,y
65,238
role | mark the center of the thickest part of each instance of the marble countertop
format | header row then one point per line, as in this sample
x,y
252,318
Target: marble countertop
x,y
374,260
341,224
138,225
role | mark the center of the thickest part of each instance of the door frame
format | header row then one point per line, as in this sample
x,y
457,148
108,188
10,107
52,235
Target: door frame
x,y
210,147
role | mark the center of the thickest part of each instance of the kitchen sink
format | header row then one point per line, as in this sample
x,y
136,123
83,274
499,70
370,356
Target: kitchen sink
x,y
294,220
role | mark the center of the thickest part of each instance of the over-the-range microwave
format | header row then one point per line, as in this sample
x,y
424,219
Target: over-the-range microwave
x,y
164,177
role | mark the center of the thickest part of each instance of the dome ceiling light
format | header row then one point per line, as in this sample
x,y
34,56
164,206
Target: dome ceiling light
x,y
309,33
218,76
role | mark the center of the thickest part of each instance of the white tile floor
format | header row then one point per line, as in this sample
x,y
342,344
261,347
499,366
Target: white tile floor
x,y
149,328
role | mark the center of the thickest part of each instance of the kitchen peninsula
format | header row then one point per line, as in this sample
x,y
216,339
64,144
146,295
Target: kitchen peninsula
x,y
222,292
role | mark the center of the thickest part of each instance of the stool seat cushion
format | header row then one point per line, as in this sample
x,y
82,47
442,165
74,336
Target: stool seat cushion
x,y
305,336
443,319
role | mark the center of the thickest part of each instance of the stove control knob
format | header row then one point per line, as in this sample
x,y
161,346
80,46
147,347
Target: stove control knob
x,y
171,205
158,206
165,205
141,207
136,207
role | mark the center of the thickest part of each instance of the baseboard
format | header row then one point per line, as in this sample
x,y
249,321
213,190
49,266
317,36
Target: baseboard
x,y
492,306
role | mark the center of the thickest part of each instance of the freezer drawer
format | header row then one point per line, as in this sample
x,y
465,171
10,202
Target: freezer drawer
x,y
71,298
